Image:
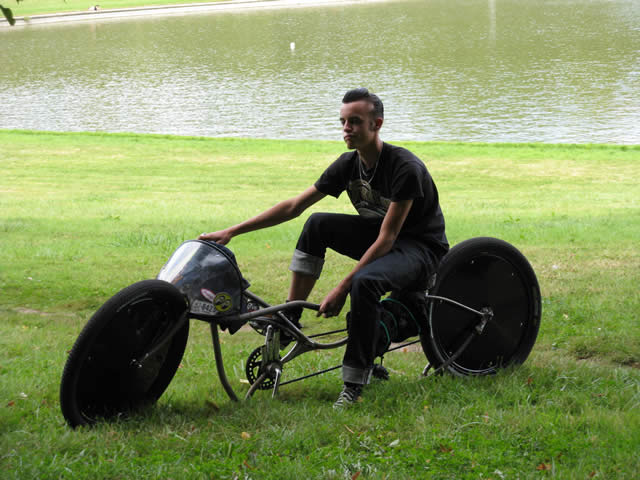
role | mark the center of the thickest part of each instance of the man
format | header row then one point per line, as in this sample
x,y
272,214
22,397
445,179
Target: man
x,y
397,237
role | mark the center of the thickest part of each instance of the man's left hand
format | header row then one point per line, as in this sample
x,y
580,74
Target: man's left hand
x,y
333,302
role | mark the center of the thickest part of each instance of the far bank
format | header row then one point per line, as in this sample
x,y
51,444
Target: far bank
x,y
58,11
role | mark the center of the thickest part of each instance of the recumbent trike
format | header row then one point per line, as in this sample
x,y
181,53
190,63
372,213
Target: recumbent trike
x,y
482,313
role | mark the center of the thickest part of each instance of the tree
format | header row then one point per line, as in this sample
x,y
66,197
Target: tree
x,y
8,14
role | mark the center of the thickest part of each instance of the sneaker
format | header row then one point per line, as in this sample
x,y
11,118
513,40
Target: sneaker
x,y
348,396
294,317
285,338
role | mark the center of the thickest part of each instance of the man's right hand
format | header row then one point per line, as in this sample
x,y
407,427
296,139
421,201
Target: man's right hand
x,y
222,237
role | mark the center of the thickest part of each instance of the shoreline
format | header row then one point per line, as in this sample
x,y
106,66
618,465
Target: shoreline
x,y
177,9
451,143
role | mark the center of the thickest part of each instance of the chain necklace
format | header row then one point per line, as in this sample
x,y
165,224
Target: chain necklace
x,y
361,171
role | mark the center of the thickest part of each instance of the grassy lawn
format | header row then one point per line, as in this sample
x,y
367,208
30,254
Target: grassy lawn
x,y
26,8
84,215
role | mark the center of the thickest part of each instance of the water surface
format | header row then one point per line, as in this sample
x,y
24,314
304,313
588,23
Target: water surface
x,y
472,70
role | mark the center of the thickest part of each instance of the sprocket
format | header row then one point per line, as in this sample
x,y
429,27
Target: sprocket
x,y
254,368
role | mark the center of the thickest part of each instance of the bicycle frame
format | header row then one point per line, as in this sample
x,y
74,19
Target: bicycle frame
x,y
272,319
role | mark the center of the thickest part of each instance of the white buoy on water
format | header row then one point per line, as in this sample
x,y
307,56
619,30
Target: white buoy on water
x,y
292,46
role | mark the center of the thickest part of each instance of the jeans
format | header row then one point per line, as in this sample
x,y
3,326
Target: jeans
x,y
406,267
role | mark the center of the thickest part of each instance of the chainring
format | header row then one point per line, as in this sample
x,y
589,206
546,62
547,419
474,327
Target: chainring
x,y
253,370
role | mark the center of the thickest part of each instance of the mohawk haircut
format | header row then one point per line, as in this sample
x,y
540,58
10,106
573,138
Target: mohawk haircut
x,y
364,94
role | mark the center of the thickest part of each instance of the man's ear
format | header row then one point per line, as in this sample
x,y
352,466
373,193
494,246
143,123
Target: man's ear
x,y
378,123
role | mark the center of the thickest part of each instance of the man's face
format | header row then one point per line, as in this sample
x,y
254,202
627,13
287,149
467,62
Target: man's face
x,y
359,126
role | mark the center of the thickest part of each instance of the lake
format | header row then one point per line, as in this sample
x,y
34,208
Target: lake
x,y
470,70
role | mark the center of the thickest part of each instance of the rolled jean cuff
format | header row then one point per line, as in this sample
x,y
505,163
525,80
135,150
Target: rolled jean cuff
x,y
306,264
356,375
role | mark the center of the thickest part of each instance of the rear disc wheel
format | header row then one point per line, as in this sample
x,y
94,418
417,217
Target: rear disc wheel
x,y
483,273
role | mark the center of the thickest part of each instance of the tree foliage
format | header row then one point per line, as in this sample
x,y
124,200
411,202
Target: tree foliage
x,y
8,14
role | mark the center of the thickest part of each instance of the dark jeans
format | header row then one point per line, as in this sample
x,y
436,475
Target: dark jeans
x,y
406,267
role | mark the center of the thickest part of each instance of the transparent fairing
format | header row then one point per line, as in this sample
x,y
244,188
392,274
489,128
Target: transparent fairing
x,y
208,275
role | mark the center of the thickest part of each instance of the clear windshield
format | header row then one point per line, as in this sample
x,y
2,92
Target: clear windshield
x,y
207,274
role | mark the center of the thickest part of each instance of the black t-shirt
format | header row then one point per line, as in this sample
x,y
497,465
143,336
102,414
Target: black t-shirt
x,y
398,175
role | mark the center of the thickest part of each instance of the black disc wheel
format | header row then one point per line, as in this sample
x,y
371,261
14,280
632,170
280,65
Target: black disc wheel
x,y
483,273
253,369
106,374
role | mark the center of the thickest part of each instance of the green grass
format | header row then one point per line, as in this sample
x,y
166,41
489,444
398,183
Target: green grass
x,y
27,8
84,215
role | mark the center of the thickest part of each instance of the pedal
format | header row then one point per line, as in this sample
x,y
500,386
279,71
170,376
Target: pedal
x,y
380,372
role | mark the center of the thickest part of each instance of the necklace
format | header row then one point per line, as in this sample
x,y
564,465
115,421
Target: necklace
x,y
361,171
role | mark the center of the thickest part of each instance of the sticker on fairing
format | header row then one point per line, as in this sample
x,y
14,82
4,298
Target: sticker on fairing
x,y
208,294
205,308
223,302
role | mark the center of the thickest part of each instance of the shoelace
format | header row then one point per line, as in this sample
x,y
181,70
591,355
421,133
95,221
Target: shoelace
x,y
348,396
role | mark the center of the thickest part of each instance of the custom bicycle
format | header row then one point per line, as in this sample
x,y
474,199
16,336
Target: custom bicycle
x,y
480,312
